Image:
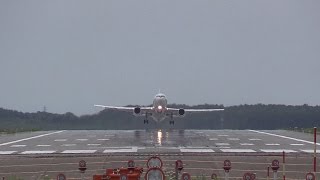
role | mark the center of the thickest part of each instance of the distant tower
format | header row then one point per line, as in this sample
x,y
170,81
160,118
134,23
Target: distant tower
x,y
44,109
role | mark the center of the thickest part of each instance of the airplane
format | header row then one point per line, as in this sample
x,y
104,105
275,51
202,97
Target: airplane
x,y
158,111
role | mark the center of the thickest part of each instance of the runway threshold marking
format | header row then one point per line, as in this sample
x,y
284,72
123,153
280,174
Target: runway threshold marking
x,y
285,137
277,150
197,150
121,150
37,152
33,137
78,151
238,150
309,150
7,152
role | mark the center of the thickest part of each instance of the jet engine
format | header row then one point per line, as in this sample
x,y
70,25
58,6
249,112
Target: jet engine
x,y
136,110
181,112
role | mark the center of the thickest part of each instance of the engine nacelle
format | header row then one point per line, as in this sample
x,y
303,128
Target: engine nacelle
x,y
181,112
137,110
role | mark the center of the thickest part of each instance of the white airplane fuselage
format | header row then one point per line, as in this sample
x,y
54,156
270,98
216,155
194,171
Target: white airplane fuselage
x,y
159,107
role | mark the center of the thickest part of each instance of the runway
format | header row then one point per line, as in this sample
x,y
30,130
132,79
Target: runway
x,y
156,141
47,153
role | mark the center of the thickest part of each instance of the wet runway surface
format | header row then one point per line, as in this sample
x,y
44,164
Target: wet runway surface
x,y
40,155
156,141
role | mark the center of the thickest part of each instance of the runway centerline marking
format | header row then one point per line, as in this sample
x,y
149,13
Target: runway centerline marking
x,y
254,139
297,144
82,139
33,137
103,139
285,137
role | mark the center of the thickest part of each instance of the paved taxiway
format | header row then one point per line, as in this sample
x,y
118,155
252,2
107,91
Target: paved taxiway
x,y
31,154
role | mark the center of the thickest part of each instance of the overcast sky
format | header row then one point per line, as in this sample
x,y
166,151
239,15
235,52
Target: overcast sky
x,y
69,55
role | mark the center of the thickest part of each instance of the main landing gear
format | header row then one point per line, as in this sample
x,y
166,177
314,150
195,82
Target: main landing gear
x,y
146,121
171,119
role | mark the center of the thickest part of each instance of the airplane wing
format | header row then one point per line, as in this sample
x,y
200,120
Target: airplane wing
x,y
116,107
173,112
196,110
142,110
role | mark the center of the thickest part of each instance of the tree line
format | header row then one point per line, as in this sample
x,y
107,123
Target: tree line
x,y
257,116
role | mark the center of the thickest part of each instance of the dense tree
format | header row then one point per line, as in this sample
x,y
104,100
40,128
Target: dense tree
x,y
257,116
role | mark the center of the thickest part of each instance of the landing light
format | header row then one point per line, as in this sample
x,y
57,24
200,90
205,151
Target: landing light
x,y
159,107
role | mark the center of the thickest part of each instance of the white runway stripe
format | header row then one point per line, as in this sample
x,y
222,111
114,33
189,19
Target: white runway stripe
x,y
254,139
222,144
309,150
223,135
7,152
233,139
78,151
68,145
297,144
238,150
103,139
34,137
213,139
93,144
18,145
37,152
285,137
82,139
246,144
122,150
277,150
197,150
60,140
43,145
272,144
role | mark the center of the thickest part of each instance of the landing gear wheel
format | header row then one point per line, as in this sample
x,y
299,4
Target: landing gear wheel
x,y
171,122
146,121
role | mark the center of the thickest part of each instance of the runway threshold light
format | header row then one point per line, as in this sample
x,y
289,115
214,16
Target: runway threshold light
x,y
82,166
310,176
